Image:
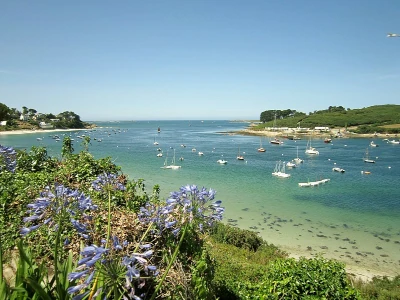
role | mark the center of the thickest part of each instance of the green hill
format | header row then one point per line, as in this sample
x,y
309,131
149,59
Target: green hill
x,y
377,118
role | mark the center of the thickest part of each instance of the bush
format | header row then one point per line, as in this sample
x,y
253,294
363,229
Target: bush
x,y
380,288
241,238
299,279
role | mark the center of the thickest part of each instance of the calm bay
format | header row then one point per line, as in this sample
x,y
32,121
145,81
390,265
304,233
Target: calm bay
x,y
355,217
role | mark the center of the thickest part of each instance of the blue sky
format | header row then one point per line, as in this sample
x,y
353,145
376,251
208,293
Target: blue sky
x,y
197,59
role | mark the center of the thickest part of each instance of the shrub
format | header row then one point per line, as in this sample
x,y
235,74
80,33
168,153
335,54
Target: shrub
x,y
299,279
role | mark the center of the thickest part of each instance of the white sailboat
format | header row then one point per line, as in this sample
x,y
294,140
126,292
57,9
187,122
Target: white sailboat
x,y
366,158
298,160
172,165
279,170
239,156
261,149
310,149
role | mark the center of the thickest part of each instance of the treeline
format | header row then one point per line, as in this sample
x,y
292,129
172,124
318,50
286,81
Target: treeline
x,y
378,118
30,117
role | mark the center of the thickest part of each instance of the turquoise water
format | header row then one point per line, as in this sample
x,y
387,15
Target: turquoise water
x,y
354,217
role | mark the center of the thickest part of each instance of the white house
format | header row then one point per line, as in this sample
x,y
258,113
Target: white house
x,y
322,128
3,123
43,125
23,117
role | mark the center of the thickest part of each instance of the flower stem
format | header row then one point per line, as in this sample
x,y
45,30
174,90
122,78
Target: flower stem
x,y
170,263
109,218
58,238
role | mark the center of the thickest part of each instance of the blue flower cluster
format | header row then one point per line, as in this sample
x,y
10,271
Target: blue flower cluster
x,y
9,156
50,204
189,204
134,263
104,181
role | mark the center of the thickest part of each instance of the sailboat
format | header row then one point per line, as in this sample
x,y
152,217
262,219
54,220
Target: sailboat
x,y
279,170
310,149
155,142
275,141
298,160
366,158
261,149
239,156
172,165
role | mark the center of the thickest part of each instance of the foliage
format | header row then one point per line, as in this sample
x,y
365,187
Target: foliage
x,y
378,115
35,161
296,279
67,119
238,261
67,147
380,288
77,169
241,238
270,115
4,112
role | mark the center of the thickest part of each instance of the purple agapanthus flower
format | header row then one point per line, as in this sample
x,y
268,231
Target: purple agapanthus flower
x,y
8,159
190,204
49,205
97,258
105,181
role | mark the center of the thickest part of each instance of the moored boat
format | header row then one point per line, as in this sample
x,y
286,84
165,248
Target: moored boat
x,y
337,169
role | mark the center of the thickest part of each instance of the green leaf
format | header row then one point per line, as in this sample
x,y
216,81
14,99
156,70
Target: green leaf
x,y
38,289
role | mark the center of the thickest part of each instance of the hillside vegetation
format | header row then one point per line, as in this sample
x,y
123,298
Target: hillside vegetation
x,y
378,118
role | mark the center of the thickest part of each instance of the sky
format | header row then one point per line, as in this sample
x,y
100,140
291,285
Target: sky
x,y
197,59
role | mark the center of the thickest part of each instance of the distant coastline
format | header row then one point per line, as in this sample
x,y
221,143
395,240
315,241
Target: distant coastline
x,y
30,131
342,132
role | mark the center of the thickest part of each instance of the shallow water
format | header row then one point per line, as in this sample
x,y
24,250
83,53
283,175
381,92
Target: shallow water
x,y
354,217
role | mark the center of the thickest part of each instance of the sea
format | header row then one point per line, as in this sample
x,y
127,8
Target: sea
x,y
354,217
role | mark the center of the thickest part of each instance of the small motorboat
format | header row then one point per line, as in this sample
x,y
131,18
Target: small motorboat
x,y
337,169
290,164
372,144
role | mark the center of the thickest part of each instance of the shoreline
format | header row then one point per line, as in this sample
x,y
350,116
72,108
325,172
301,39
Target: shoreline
x,y
321,135
30,131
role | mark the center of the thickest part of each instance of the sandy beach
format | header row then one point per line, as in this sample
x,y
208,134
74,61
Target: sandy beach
x,y
26,131
314,134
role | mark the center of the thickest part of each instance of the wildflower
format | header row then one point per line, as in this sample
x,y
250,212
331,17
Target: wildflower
x,y
49,205
100,259
105,181
9,157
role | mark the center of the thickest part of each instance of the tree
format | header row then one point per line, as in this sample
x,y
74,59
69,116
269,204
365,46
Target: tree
x,y
14,113
4,112
67,147
32,111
